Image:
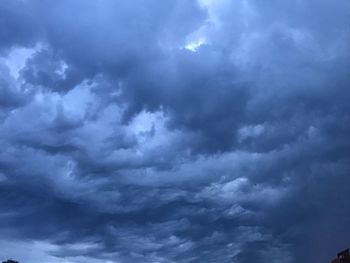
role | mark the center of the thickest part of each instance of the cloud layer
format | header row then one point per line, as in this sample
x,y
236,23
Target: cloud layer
x,y
174,131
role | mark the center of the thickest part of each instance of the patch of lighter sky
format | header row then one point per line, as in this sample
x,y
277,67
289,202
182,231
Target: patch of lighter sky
x,y
17,58
42,251
78,100
2,177
251,131
194,45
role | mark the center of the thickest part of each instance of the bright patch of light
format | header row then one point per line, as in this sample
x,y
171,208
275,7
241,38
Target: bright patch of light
x,y
210,3
193,46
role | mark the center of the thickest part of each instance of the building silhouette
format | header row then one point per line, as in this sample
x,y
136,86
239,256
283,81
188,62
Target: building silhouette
x,y
342,257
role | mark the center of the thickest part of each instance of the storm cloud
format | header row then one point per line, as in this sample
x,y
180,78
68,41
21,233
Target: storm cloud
x,y
174,130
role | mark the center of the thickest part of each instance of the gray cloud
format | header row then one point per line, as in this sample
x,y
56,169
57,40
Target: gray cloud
x,y
174,131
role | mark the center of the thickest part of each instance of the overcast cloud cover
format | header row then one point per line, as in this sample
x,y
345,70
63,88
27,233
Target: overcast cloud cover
x,y
174,130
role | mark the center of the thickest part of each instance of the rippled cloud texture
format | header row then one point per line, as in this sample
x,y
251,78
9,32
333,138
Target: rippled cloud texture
x,y
174,130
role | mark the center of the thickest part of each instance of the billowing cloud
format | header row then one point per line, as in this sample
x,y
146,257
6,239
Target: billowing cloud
x,y
174,131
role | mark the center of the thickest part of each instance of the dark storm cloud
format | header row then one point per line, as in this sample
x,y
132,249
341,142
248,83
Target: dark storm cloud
x,y
11,96
18,25
174,131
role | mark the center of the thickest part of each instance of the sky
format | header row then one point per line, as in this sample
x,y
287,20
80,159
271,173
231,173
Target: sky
x,y
163,131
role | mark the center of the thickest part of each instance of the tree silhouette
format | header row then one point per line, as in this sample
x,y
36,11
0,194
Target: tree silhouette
x,y
10,261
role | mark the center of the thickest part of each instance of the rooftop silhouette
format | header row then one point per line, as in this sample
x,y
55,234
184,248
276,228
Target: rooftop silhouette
x,y
342,257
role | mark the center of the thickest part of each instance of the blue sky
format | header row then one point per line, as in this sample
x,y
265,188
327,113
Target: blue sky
x,y
161,131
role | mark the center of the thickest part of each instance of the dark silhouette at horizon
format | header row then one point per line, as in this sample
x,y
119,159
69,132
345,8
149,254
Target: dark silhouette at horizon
x,y
342,257
10,261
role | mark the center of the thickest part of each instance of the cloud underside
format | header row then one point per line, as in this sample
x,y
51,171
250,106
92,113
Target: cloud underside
x,y
174,131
